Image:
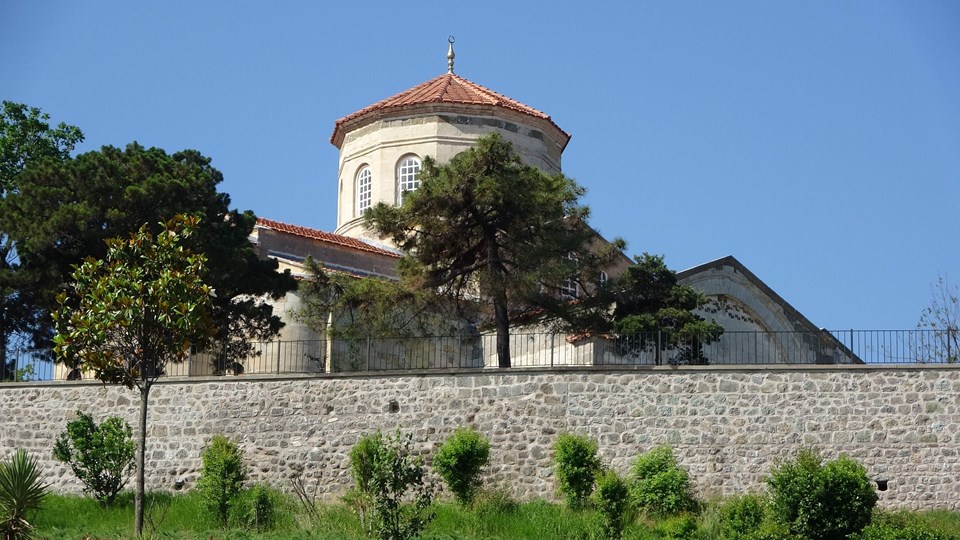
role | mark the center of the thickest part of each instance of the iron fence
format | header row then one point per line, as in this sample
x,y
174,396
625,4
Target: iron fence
x,y
537,349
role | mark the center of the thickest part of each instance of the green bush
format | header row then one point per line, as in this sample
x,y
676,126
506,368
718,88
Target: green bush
x,y
899,526
739,517
659,485
260,506
678,527
821,501
771,530
222,474
385,470
611,499
883,531
99,455
360,498
460,460
494,502
575,464
743,517
21,491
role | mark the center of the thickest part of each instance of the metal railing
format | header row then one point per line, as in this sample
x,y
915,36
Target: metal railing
x,y
543,349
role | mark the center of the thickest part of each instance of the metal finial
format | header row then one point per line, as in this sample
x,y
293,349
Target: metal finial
x,y
450,55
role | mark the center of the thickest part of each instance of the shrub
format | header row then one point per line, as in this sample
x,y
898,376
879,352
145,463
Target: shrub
x,y
384,470
99,455
494,502
898,526
611,499
679,527
822,502
575,464
360,498
659,485
771,530
460,460
222,474
21,491
884,531
740,517
261,508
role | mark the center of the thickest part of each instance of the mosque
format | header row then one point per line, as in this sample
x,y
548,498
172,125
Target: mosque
x,y
380,151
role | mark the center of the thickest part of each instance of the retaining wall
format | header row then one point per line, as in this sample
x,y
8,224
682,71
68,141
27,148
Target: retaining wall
x,y
728,425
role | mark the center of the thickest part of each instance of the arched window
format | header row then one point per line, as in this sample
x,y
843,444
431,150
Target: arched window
x,y
364,189
408,171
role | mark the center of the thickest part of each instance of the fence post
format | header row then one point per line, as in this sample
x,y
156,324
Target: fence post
x,y
950,331
368,352
851,341
279,352
552,348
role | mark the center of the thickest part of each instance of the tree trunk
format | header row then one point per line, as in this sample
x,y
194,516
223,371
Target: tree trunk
x,y
3,349
141,460
502,321
501,314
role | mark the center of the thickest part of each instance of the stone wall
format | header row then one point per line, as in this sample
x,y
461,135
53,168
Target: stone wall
x,y
728,425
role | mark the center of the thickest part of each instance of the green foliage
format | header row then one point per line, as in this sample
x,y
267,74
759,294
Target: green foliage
x,y
186,518
21,491
362,458
494,502
138,309
99,455
64,211
26,138
260,508
611,500
904,526
132,313
487,223
654,311
222,474
736,518
678,527
460,461
659,485
771,530
821,501
24,374
575,464
884,531
390,484
355,309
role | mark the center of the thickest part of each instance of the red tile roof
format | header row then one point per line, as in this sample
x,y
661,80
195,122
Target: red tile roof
x,y
447,88
323,236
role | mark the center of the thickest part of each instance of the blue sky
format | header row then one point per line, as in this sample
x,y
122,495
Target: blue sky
x,y
817,141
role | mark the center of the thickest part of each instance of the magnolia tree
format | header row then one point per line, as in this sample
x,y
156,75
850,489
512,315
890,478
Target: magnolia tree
x,y
127,316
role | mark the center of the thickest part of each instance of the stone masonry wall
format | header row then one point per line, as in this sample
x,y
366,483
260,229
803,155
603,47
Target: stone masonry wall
x,y
727,425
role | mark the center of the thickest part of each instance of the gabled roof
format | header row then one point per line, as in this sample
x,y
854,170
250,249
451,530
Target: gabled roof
x,y
323,236
445,89
732,261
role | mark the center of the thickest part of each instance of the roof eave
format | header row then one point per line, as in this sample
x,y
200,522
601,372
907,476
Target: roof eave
x,y
348,123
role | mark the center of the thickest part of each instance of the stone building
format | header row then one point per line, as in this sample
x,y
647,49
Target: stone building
x,y
381,148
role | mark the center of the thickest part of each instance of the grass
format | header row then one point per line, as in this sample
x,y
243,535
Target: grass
x,y
183,516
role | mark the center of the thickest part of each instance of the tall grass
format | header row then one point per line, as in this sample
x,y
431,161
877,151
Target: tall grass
x,y
183,516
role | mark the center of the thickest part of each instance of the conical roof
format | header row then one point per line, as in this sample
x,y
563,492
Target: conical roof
x,y
445,89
